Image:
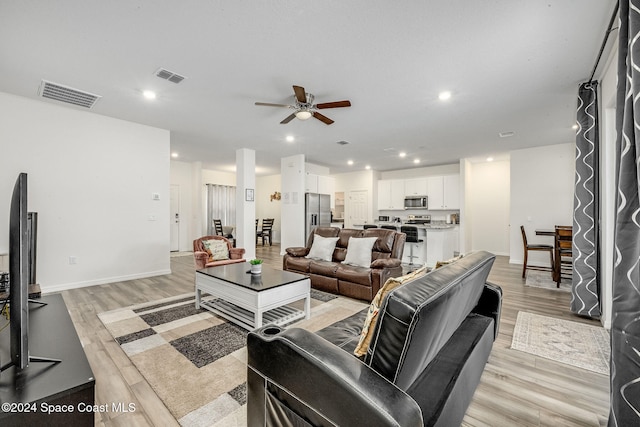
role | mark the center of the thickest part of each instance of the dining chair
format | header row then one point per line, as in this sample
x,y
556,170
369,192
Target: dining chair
x,y
563,266
217,225
265,231
539,248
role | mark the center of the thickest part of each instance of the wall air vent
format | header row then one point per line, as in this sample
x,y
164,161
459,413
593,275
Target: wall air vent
x,y
169,75
66,94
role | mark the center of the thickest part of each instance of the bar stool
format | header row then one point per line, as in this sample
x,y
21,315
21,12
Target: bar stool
x,y
412,238
535,247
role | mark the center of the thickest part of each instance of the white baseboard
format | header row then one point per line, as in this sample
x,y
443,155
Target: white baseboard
x,y
103,281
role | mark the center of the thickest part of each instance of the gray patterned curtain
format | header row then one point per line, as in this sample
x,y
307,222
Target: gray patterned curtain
x,y
585,290
625,327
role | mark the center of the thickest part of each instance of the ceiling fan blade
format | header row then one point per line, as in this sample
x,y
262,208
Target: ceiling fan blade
x,y
301,94
268,104
322,118
336,104
288,119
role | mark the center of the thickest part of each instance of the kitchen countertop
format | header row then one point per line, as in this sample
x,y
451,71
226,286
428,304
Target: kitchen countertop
x,y
433,226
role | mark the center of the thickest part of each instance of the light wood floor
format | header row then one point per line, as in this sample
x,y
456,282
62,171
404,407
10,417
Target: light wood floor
x,y
516,388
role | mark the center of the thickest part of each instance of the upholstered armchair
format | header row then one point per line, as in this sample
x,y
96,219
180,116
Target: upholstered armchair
x,y
205,258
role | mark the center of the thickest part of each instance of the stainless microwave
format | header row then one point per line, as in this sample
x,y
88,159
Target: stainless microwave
x,y
415,202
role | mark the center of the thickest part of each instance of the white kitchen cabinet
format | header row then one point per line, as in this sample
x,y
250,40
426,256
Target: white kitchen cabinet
x,y
327,185
444,192
455,233
440,245
321,184
451,190
415,187
390,194
311,183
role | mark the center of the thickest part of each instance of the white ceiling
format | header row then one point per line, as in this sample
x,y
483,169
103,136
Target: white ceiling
x,y
512,66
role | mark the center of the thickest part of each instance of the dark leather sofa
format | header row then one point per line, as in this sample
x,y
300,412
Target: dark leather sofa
x,y
431,342
348,280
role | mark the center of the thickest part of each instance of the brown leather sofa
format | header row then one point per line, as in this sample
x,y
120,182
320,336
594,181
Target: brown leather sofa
x,y
348,280
201,257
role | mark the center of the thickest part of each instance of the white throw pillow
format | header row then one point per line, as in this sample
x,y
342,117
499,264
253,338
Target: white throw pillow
x,y
322,248
359,251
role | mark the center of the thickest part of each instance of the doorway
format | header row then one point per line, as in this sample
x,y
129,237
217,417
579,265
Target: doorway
x,y
357,208
174,218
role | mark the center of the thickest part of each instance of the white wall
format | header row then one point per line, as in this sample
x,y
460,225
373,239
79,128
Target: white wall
x,y
420,172
293,176
216,177
488,193
542,181
91,180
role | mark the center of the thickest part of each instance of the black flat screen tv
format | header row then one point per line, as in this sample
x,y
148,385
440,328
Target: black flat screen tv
x,y
19,275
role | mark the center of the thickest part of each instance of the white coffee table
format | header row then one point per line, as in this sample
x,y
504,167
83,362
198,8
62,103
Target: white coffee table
x,y
251,300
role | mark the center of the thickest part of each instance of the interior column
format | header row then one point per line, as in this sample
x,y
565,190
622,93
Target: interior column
x,y
245,204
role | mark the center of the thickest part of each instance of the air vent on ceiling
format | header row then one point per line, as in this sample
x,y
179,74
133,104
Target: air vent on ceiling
x,y
342,142
506,134
62,93
169,75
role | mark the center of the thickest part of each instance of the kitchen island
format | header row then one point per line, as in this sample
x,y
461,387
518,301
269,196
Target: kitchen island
x,y
440,241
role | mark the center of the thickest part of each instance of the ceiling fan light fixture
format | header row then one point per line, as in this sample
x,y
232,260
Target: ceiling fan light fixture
x,y
303,114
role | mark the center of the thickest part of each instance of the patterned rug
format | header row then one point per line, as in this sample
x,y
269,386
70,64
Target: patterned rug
x,y
542,279
194,360
577,344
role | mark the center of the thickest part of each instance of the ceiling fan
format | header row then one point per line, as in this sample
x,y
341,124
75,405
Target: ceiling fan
x,y
305,108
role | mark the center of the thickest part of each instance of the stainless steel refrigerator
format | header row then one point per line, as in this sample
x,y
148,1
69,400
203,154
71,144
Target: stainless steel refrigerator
x,y
317,209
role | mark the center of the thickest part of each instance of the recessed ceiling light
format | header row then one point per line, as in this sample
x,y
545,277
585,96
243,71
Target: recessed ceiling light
x,y
402,154
367,167
489,159
149,94
349,162
416,161
444,95
174,155
290,138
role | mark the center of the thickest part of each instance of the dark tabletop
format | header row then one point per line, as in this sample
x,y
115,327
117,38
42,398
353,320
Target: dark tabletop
x,y
238,274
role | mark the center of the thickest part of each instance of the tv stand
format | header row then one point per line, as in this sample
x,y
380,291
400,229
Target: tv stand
x,y
33,358
66,380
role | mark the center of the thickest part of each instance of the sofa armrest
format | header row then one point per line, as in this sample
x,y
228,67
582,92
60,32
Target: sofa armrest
x,y
385,263
236,253
200,259
490,304
298,251
296,374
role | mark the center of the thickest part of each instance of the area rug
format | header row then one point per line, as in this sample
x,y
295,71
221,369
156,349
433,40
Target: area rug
x,y
194,360
542,279
576,344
